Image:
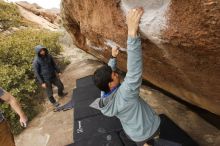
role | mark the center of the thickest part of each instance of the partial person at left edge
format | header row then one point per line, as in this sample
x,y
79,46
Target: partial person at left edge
x,y
48,73
6,137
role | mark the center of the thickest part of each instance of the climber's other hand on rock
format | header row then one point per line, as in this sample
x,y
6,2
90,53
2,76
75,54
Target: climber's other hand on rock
x,y
115,51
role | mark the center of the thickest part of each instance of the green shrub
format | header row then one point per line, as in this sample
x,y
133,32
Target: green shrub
x,y
16,74
9,15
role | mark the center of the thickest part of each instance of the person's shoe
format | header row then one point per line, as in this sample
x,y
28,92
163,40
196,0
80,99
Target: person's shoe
x,y
63,94
56,104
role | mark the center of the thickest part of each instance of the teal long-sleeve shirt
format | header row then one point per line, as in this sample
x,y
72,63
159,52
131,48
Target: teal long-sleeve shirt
x,y
138,119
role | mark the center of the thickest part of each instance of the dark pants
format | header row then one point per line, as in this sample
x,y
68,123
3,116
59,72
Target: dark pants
x,y
57,82
149,140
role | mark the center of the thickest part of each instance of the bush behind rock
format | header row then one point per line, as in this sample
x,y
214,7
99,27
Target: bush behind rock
x,y
9,16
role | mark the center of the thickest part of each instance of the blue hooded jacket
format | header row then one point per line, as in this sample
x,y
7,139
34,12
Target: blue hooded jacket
x,y
45,68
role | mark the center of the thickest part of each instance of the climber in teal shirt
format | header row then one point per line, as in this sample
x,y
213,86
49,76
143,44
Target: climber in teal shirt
x,y
122,100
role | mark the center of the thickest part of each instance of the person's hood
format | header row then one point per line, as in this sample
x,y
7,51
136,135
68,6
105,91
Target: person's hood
x,y
38,48
109,108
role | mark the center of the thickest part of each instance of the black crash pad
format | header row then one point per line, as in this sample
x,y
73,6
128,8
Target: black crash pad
x,y
95,126
171,132
170,135
82,110
82,82
157,142
86,93
163,142
109,139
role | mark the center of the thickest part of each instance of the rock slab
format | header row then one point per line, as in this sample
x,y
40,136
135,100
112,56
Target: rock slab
x,y
180,40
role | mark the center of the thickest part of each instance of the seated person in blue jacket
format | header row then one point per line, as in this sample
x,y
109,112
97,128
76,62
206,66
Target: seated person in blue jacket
x,y
122,100
47,73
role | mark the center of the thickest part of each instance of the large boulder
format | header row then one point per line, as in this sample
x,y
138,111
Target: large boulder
x,y
52,15
180,40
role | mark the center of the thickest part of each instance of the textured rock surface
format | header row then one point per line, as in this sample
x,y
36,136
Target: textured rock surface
x,y
40,21
53,16
181,42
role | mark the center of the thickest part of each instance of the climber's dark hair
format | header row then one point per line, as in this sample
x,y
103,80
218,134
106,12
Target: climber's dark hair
x,y
102,77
